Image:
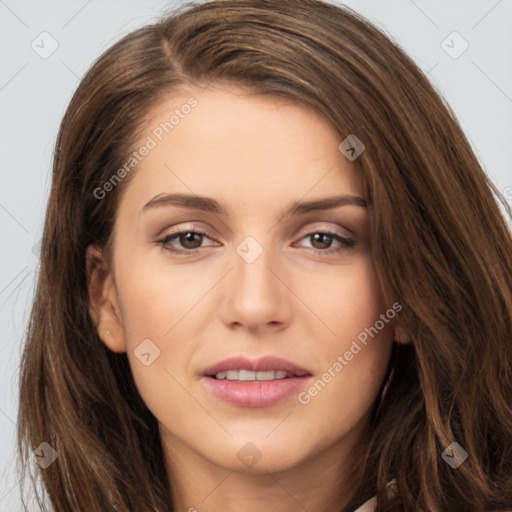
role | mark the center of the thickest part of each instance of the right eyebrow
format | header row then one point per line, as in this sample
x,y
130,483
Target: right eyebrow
x,y
186,201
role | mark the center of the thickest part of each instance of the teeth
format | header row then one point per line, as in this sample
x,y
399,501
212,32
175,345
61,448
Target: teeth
x,y
247,375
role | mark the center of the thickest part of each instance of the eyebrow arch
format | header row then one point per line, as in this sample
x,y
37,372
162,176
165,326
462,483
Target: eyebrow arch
x,y
186,201
211,205
326,203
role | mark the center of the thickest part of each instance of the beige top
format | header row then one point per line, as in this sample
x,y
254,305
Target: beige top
x,y
369,506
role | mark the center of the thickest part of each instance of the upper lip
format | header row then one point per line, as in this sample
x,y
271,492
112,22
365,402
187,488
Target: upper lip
x,y
264,364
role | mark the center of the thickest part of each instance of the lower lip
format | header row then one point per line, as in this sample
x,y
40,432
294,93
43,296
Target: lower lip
x,y
256,393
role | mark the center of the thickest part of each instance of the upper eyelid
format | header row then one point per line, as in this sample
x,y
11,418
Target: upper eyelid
x,y
181,231
192,226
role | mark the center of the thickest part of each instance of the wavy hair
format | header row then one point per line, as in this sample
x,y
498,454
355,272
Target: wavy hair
x,y
440,243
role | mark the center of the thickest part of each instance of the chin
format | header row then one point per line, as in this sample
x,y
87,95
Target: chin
x,y
260,456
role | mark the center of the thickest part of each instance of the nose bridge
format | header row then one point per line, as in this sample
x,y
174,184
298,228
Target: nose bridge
x,y
256,295
252,262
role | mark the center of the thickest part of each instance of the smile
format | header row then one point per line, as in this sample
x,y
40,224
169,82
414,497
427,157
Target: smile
x,y
247,375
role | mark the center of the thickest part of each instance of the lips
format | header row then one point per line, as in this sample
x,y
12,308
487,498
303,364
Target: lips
x,y
255,383
265,364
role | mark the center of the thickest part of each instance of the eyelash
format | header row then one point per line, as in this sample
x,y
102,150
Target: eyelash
x,y
346,243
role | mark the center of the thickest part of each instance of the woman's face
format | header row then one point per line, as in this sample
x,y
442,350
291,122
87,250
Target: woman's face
x,y
282,278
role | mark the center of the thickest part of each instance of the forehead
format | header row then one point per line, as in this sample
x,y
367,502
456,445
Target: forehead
x,y
231,144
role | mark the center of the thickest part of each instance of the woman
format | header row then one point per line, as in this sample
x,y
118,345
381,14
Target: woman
x,y
273,273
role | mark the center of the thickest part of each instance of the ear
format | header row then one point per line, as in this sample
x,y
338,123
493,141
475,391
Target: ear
x,y
401,336
103,304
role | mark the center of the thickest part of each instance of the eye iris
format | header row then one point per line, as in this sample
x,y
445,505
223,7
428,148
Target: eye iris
x,y
324,239
187,240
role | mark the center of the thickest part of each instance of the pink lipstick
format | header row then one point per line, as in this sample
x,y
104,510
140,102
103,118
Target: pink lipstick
x,y
255,383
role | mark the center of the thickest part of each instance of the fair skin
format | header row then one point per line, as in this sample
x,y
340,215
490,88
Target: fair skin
x,y
254,156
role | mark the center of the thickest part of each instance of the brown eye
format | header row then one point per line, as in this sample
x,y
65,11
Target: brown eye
x,y
190,239
323,240
184,242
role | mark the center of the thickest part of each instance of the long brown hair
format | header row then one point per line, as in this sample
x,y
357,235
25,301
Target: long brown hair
x,y
440,243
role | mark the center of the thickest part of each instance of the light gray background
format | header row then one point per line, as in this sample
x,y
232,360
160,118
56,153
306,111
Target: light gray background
x,y
34,93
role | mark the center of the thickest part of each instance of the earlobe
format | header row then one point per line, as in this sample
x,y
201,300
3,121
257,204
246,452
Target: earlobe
x,y
103,304
401,336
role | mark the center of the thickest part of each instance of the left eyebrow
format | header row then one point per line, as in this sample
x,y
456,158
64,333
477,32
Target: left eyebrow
x,y
326,203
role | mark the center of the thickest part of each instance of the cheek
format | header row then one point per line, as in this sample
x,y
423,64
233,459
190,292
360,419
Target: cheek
x,y
355,355
155,299
158,315
347,299
364,329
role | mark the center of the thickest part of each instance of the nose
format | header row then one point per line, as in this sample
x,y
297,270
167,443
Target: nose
x,y
257,294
